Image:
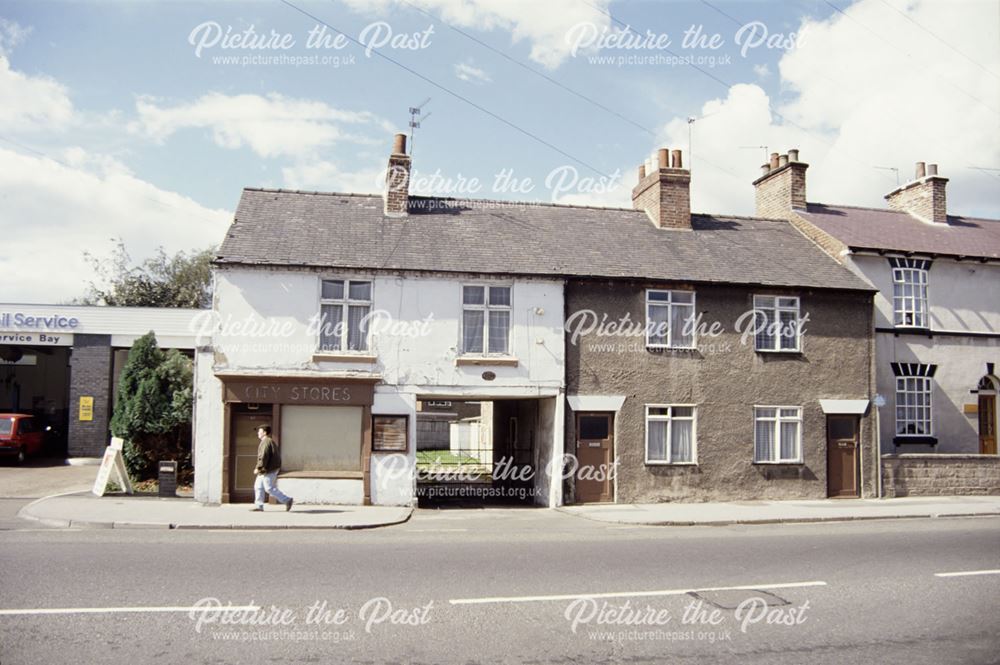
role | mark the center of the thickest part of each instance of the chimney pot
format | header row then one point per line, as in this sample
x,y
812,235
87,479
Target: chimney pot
x,y
675,159
783,160
781,188
765,169
774,160
793,155
399,144
921,171
661,156
932,169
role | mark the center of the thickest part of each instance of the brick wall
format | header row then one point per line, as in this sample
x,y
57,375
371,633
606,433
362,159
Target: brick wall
x,y
90,374
665,195
781,190
924,199
940,475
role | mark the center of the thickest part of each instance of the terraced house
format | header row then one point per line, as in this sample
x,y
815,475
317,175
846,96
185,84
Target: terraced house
x,y
583,354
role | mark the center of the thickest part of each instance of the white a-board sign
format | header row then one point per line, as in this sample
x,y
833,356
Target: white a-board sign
x,y
113,461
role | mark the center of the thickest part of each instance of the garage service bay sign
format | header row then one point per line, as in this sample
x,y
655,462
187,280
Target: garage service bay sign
x,y
42,330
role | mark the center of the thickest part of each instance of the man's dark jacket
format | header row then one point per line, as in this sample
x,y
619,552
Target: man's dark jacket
x,y
268,456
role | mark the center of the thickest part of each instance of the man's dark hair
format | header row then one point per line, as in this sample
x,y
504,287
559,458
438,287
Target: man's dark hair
x,y
266,428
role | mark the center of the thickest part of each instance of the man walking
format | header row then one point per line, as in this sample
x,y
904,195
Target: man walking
x,y
268,464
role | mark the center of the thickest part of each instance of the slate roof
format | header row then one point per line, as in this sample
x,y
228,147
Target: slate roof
x,y
882,229
289,228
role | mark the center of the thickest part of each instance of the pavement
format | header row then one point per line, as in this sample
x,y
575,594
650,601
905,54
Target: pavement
x,y
85,510
770,512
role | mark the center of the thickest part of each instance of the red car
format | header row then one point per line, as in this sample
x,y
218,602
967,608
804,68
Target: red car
x,y
20,436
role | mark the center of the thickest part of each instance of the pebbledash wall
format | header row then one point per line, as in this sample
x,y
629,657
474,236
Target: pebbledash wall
x,y
93,342
725,379
417,356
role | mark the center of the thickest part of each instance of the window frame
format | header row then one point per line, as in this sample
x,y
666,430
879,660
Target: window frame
x,y
778,419
899,311
670,304
776,308
345,304
929,393
669,418
486,308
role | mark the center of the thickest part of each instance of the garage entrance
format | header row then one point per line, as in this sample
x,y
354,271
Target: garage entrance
x,y
35,381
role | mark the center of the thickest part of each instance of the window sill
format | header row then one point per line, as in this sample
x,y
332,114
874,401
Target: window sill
x,y
915,439
661,349
323,475
654,463
778,352
797,463
321,357
497,361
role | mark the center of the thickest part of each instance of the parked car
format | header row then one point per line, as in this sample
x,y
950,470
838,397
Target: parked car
x,y
21,436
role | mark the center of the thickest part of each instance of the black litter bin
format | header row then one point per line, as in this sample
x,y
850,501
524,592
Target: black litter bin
x,y
168,478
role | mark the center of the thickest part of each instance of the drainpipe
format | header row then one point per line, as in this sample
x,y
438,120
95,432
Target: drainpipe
x,y
878,447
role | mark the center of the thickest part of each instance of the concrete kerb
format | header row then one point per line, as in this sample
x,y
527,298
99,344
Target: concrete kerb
x,y
774,520
26,513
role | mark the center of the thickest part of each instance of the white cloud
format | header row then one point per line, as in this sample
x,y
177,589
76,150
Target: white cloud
x,y
270,125
53,212
544,25
466,72
326,176
762,71
12,33
858,103
30,102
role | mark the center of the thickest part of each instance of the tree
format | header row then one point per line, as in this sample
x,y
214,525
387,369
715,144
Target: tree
x,y
181,280
153,413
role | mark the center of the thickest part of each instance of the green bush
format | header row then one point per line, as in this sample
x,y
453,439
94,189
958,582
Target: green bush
x,y
153,413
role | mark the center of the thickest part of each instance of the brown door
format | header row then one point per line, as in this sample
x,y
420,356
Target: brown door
x,y
988,424
842,461
243,451
595,453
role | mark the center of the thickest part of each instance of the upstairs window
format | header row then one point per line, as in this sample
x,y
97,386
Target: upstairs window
x,y
486,319
669,319
909,292
776,323
344,309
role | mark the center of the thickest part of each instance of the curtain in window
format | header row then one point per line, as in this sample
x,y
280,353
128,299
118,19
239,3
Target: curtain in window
x,y
763,322
789,439
789,329
679,315
357,330
472,331
330,324
680,440
765,440
658,324
656,444
499,331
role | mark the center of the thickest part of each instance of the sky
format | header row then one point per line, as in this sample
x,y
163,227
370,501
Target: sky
x,y
144,120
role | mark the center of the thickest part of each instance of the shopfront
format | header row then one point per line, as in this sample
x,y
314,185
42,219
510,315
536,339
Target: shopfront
x,y
323,427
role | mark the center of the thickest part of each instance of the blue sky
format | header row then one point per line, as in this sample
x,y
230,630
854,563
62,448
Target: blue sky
x,y
116,127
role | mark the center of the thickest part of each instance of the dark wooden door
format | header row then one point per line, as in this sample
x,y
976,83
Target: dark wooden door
x,y
988,424
243,452
595,452
842,462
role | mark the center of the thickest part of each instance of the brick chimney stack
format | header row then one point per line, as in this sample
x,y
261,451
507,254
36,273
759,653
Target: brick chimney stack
x,y
397,179
923,197
664,191
781,188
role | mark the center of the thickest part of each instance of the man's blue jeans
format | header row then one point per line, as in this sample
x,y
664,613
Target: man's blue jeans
x,y
267,482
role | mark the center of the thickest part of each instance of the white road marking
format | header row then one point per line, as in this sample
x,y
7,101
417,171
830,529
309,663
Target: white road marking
x,y
127,610
622,594
968,572
435,530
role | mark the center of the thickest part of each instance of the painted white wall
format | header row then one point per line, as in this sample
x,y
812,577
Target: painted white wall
x,y
209,420
961,363
962,296
393,476
275,308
